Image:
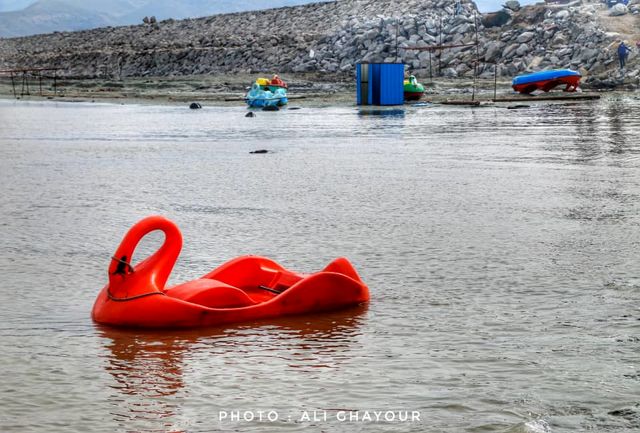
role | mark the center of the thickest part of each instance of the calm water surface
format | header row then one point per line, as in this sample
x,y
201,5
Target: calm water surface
x,y
501,248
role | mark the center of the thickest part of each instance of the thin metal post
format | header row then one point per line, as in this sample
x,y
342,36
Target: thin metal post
x,y
430,69
40,81
440,51
13,85
495,81
397,32
55,82
475,66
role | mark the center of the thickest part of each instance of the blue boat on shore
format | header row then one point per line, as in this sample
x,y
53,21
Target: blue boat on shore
x,y
257,97
547,80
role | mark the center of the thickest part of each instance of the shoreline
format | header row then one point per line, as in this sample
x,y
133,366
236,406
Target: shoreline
x,y
229,90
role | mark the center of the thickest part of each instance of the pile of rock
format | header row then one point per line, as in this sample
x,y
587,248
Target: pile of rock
x,y
332,37
151,21
542,37
530,39
393,37
633,7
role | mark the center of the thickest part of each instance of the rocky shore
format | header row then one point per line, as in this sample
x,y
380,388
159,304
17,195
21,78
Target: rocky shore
x,y
330,38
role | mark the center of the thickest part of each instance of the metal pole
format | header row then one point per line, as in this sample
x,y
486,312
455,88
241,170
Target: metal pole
x,y
13,85
40,81
55,82
22,85
28,90
397,32
475,66
430,70
495,81
440,51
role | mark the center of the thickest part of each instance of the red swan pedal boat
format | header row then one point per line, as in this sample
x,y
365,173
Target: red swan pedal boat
x,y
243,289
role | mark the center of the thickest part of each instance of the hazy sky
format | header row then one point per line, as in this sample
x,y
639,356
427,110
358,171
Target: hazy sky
x,y
494,5
13,5
483,5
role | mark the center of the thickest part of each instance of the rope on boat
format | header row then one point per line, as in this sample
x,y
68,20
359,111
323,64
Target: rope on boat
x,y
122,261
125,267
269,289
131,298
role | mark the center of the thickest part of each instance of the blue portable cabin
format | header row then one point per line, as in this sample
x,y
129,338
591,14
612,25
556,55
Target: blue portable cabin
x,y
380,83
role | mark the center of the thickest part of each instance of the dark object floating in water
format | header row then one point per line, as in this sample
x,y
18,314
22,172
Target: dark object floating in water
x,y
516,107
271,108
250,114
625,412
259,152
294,108
195,106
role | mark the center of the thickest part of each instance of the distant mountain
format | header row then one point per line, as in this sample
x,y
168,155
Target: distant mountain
x,y
46,16
14,5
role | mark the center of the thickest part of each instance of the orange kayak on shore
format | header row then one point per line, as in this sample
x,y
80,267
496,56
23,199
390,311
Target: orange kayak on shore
x,y
243,289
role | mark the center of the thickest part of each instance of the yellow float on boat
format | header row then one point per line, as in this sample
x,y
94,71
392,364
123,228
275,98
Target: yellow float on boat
x,y
263,82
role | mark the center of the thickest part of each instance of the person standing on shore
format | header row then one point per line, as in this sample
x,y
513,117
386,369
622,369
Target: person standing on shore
x,y
623,52
457,8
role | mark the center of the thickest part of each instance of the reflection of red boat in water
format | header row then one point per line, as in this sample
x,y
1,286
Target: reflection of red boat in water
x,y
152,370
244,289
547,80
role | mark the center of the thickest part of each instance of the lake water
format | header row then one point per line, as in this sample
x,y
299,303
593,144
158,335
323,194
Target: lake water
x,y
501,248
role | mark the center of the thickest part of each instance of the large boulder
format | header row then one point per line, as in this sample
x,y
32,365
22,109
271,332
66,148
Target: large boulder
x,y
492,51
496,19
525,37
450,73
522,50
618,9
514,5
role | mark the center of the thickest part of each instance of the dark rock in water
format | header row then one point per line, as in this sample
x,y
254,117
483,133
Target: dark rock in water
x,y
517,107
259,152
195,106
250,114
496,19
271,108
622,412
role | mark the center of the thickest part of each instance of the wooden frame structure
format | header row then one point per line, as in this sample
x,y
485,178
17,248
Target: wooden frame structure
x,y
23,75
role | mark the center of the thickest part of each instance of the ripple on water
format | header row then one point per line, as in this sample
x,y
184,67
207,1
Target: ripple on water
x,y
500,247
